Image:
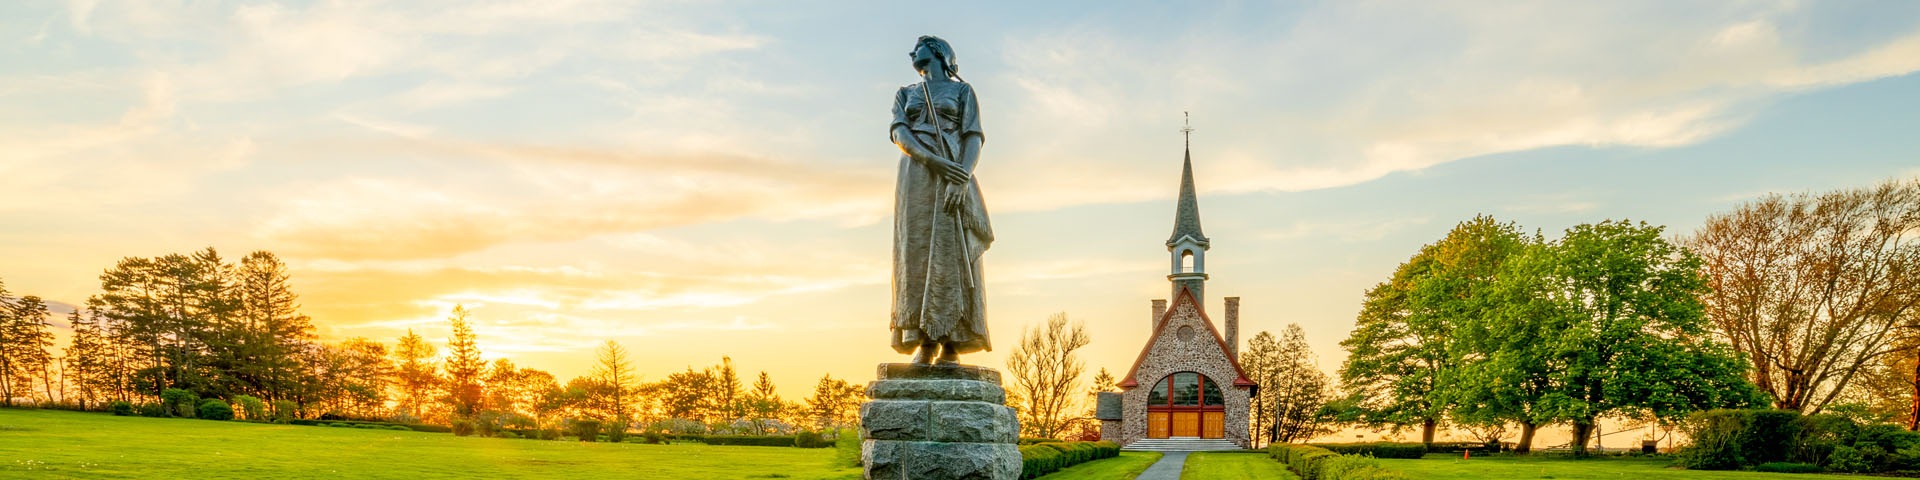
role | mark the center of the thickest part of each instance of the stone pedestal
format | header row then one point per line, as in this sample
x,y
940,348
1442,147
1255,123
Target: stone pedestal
x,y
932,422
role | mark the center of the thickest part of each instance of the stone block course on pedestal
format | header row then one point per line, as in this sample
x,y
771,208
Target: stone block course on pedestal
x,y
931,422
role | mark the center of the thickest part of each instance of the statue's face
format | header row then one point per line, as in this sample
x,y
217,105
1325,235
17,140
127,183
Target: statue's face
x,y
924,55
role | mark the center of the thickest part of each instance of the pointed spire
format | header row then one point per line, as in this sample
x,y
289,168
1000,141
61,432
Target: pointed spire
x,y
1186,217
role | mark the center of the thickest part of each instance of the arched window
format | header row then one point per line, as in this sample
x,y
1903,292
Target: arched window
x,y
1186,261
1185,389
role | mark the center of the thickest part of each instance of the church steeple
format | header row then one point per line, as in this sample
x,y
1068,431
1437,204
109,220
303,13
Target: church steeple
x,y
1188,245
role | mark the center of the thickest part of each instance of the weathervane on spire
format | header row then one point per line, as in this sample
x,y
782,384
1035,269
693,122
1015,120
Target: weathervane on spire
x,y
1187,129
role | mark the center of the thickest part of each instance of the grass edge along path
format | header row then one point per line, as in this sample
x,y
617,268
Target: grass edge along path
x,y
63,444
1451,467
1124,467
1234,466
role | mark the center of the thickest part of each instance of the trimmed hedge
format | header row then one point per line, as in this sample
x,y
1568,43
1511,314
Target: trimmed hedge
x,y
1047,457
1356,467
1305,460
1787,467
750,440
1312,462
354,423
1377,449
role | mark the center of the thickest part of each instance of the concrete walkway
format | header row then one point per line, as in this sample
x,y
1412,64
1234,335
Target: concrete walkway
x,y
1168,468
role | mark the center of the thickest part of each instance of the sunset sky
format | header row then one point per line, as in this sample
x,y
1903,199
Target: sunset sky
x,y
698,179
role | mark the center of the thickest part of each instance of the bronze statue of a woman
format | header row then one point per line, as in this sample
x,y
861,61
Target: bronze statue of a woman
x,y
940,225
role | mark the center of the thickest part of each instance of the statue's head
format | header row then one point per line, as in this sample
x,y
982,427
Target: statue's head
x,y
929,49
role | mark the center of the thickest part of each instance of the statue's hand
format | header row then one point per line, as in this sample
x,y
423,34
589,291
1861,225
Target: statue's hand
x,y
956,197
950,171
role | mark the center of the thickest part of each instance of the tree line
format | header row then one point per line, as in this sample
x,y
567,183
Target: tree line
x,y
228,330
1800,302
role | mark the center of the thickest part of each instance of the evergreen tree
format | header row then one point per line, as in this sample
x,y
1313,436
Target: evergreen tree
x,y
464,367
273,332
763,403
728,389
25,337
86,360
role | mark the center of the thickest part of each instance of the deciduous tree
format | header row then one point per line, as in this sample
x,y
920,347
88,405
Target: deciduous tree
x,y
1811,287
1046,369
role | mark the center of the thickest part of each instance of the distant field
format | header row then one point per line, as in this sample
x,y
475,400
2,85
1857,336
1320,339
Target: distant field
x,y
1450,467
60,444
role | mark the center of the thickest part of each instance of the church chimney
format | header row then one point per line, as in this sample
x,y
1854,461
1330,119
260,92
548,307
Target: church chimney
x,y
1159,310
1233,327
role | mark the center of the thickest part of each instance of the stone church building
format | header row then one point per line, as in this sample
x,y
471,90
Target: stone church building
x,y
1186,390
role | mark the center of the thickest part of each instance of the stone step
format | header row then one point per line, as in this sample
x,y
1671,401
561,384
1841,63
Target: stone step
x,y
1181,444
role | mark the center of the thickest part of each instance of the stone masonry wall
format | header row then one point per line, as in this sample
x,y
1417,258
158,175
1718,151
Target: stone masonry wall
x,y
1196,353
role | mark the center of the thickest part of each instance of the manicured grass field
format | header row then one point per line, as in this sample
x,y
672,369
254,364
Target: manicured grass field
x,y
1234,466
60,444
1123,467
1450,467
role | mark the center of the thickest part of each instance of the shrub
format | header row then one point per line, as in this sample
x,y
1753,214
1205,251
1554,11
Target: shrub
x,y
651,438
1787,467
254,409
1357,467
1305,460
1037,460
216,409
1377,449
810,439
152,410
486,424
587,429
1716,441
846,448
1767,435
285,411
461,427
120,408
617,431
179,402
548,433
1847,459
1819,434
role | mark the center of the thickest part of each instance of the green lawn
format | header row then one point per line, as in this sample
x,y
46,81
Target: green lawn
x,y
1123,467
1234,466
1451,467
1128,465
59,444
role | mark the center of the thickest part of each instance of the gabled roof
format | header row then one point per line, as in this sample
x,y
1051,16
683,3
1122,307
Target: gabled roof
x,y
1185,296
1186,216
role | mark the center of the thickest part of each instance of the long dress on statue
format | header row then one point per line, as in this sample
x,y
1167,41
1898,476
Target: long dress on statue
x,y
937,283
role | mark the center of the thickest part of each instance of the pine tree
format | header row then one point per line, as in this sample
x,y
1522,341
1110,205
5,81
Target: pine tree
x,y
86,359
728,388
464,367
763,403
272,333
25,336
